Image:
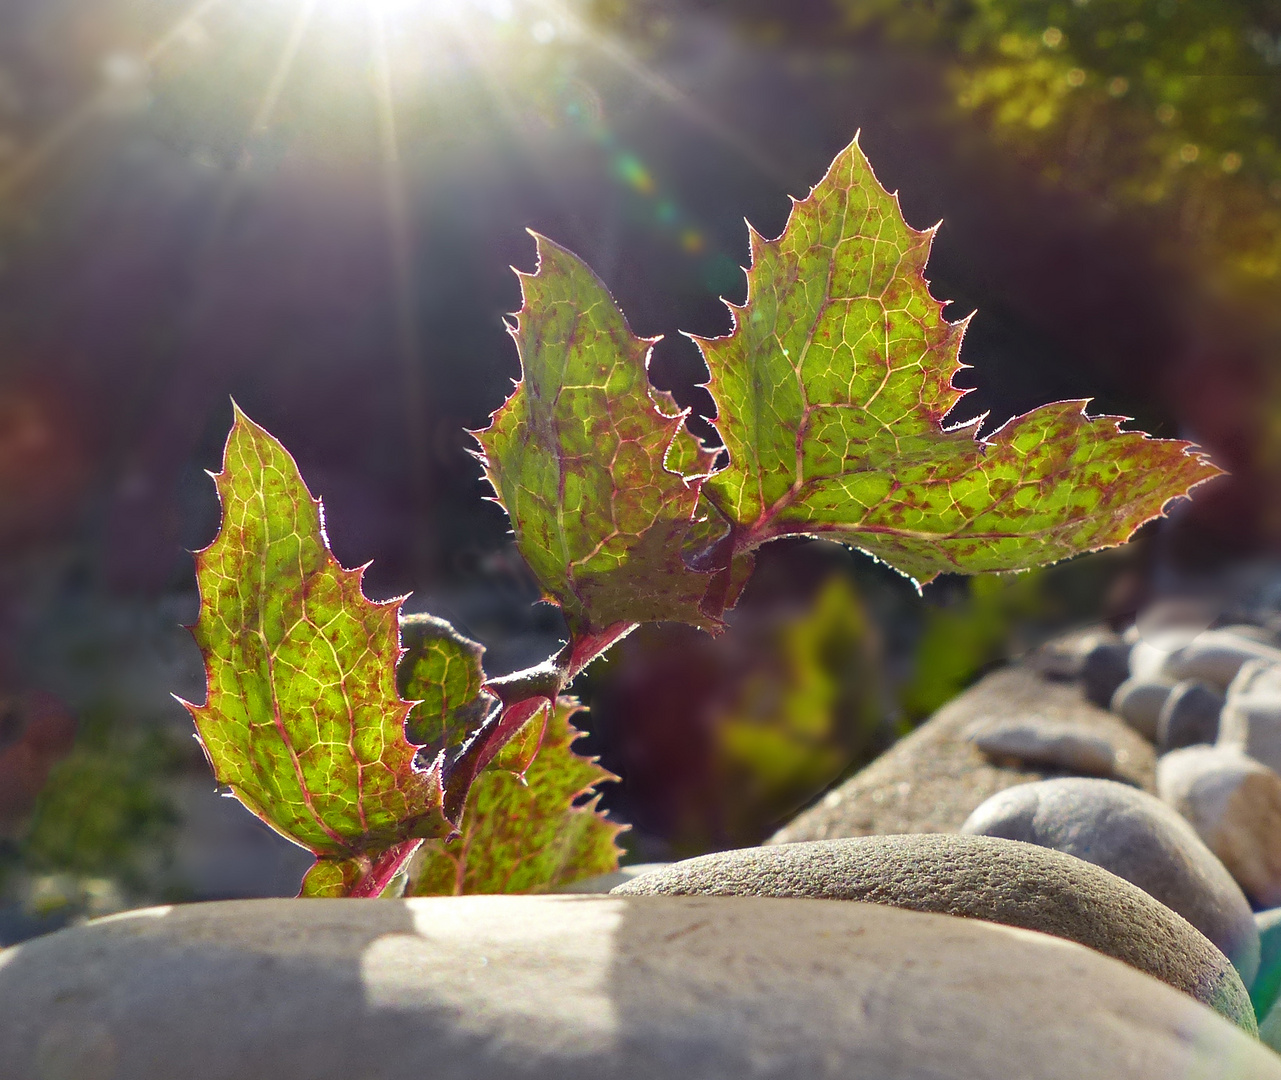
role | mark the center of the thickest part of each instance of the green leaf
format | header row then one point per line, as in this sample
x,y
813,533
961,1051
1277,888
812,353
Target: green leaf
x,y
596,470
525,836
832,389
442,671
303,721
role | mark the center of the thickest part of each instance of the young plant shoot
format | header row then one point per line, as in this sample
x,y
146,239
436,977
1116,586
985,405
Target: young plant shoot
x,y
831,394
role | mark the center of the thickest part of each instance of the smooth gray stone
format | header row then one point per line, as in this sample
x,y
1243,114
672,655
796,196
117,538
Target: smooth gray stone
x,y
1234,803
979,877
930,780
1064,657
591,988
1148,658
1217,657
1138,701
1250,632
1190,716
1137,837
1251,716
1040,744
1266,987
1106,666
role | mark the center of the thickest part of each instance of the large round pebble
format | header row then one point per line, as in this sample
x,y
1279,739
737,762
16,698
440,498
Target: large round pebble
x,y
1135,836
1138,702
1251,716
978,877
1189,717
1234,803
1105,667
591,988
1217,656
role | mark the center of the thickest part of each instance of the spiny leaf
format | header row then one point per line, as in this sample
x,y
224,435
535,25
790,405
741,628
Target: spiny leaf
x,y
582,458
521,837
442,671
302,720
832,388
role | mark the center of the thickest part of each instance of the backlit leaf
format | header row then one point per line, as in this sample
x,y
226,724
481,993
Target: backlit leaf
x,y
302,720
582,458
832,389
525,837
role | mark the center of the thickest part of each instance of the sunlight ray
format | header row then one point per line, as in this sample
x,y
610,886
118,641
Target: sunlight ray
x,y
66,129
259,125
400,238
505,102
661,88
279,77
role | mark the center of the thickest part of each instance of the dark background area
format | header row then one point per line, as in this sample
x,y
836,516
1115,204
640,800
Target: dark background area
x,y
312,207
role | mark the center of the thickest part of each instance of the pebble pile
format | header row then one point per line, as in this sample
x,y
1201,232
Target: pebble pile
x,y
1072,871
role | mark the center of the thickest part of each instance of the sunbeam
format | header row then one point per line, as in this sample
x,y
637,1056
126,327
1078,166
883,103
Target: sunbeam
x,y
400,237
49,144
618,55
271,96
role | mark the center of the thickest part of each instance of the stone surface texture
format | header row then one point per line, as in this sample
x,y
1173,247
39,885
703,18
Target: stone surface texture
x,y
1137,837
1234,803
591,988
1251,717
1067,656
979,877
931,780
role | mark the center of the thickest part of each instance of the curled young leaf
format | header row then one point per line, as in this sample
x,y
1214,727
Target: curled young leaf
x,y
441,670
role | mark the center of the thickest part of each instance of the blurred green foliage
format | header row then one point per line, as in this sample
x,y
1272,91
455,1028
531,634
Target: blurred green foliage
x,y
973,625
961,640
813,706
1141,103
1166,106
103,812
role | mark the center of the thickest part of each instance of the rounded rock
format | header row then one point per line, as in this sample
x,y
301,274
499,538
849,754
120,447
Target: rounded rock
x,y
590,988
1037,743
1217,657
1234,804
1138,702
1137,837
1252,714
1190,716
978,877
1104,668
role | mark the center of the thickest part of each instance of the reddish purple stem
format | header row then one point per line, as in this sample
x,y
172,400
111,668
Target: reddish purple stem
x,y
384,868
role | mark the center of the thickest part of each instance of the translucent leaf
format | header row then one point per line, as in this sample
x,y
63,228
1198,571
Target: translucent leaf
x,y
832,389
525,836
302,720
582,458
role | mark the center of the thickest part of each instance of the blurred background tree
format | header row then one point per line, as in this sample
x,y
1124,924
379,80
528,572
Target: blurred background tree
x,y
311,204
